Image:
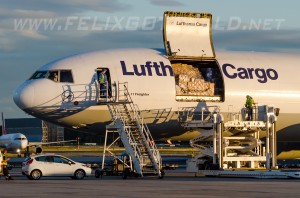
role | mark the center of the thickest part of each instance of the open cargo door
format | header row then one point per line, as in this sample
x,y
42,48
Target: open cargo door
x,y
189,47
188,35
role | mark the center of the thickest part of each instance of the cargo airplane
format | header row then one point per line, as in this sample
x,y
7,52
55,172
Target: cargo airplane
x,y
187,73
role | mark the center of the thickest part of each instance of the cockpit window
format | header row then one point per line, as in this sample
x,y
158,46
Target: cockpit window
x,y
55,75
66,76
39,74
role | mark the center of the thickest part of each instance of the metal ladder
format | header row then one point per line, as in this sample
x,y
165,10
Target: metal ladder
x,y
134,133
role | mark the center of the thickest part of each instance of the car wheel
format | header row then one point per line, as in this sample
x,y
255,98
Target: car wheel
x,y
162,174
36,174
79,174
124,175
98,173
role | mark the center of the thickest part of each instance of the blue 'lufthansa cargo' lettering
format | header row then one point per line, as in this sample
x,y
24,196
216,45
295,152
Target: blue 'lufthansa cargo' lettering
x,y
124,69
148,69
260,74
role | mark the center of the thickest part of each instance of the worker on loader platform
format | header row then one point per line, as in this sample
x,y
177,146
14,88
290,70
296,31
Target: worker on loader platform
x,y
249,105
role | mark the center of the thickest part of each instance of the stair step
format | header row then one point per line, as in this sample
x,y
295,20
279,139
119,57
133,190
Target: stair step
x,y
125,112
135,131
137,137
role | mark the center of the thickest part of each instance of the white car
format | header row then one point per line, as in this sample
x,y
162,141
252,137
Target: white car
x,y
35,167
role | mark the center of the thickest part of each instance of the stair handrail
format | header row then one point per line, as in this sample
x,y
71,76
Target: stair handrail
x,y
146,135
128,132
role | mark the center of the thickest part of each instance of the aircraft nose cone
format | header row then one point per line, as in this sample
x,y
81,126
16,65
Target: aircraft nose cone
x,y
24,96
24,144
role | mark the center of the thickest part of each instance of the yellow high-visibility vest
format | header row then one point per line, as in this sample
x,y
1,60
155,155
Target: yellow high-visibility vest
x,y
4,161
249,103
102,78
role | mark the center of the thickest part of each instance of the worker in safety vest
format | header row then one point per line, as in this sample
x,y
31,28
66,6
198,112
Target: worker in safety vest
x,y
103,83
4,165
249,105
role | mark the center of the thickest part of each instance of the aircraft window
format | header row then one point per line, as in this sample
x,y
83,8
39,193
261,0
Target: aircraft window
x,y
66,76
56,76
18,138
39,74
53,75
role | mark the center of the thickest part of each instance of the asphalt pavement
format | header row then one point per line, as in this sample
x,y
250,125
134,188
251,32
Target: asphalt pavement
x,y
176,183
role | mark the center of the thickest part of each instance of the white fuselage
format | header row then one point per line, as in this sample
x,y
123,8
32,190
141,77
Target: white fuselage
x,y
271,79
15,142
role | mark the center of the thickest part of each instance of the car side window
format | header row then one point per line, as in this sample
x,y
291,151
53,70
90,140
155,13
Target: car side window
x,y
66,161
41,159
49,159
60,160
57,159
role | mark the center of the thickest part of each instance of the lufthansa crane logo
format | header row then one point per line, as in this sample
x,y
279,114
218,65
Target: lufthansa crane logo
x,y
67,96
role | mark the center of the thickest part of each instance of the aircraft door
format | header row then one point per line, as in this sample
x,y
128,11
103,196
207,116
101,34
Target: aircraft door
x,y
188,35
104,80
189,46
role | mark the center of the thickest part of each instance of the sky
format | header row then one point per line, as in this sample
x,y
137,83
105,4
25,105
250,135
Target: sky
x,y
35,32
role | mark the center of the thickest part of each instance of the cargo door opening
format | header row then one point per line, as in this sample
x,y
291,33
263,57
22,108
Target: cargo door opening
x,y
199,81
189,47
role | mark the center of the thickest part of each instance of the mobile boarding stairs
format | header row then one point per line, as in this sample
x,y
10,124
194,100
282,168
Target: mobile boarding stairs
x,y
133,132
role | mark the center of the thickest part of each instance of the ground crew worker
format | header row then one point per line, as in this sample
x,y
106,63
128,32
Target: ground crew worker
x,y
249,106
4,165
151,142
103,81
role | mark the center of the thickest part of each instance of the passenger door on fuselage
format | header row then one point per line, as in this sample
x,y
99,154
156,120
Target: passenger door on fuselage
x,y
108,76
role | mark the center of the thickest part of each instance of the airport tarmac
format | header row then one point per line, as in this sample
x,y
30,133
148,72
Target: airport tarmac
x,y
175,184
